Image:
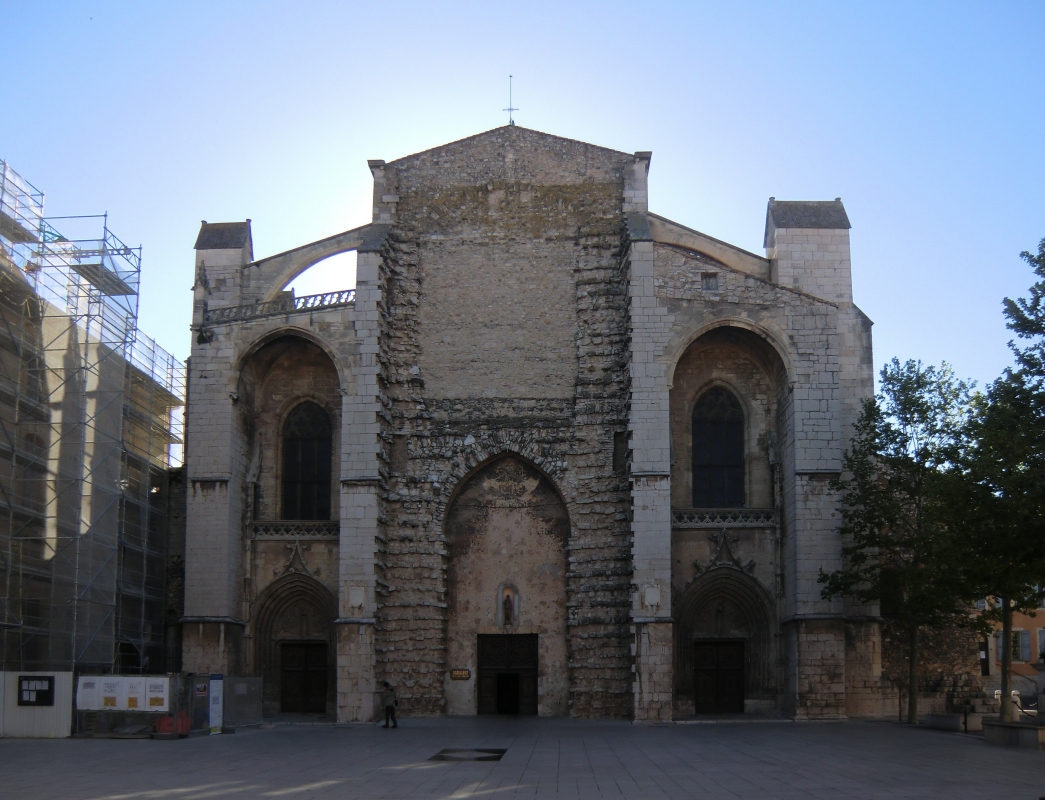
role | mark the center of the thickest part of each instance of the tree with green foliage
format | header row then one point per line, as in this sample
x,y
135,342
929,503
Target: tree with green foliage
x,y
898,490
1027,318
1003,521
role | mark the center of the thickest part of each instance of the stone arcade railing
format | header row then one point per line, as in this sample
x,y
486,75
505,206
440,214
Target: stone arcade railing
x,y
280,306
724,518
295,529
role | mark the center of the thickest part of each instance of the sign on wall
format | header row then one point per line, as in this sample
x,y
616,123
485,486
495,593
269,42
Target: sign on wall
x,y
217,683
134,692
123,693
111,694
157,694
87,688
36,690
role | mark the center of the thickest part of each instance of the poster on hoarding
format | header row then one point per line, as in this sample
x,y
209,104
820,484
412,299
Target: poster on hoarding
x,y
157,694
123,693
87,688
134,694
111,693
217,683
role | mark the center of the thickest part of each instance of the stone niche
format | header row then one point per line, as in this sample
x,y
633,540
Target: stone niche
x,y
507,530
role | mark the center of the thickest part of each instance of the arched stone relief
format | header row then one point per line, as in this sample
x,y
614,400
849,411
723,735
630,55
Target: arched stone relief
x,y
475,454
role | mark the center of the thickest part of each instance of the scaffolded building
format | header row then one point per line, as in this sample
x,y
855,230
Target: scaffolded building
x,y
90,426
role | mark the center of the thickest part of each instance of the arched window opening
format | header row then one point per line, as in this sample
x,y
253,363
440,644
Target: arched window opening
x,y
718,451
306,463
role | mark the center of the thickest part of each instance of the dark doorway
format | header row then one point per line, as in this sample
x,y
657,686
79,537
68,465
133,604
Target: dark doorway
x,y
507,672
718,677
303,682
508,693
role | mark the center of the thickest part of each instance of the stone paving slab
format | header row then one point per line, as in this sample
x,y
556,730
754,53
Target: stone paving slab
x,y
545,758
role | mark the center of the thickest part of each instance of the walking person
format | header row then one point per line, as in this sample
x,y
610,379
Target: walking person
x,y
388,697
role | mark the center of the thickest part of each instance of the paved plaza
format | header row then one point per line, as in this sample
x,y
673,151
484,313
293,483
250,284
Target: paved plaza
x,y
559,758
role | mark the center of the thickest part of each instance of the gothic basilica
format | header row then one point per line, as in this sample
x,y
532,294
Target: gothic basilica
x,y
554,454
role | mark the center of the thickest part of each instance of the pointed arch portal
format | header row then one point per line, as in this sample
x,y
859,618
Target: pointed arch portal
x,y
507,530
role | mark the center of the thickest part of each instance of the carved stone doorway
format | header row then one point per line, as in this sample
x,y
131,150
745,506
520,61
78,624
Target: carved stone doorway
x,y
718,677
294,635
507,667
303,682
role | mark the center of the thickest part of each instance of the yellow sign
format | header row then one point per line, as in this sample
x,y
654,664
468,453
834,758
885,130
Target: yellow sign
x,y
460,674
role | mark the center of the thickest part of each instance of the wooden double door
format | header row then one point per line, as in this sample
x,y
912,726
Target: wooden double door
x,y
303,677
718,676
507,673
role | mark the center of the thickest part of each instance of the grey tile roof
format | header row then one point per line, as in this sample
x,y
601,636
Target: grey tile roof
x,y
808,214
223,235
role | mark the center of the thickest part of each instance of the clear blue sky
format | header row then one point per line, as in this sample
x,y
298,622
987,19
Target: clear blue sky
x,y
928,119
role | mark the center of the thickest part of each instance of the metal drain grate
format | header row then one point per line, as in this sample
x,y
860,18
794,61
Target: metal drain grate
x,y
458,754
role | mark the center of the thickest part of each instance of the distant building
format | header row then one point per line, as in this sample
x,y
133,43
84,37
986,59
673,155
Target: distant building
x,y
1028,647
555,454
89,426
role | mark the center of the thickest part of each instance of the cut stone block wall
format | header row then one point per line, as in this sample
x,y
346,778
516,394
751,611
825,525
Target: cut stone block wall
x,y
538,371
513,298
653,672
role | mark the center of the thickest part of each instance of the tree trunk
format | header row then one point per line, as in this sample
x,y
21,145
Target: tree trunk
x,y
912,678
1006,660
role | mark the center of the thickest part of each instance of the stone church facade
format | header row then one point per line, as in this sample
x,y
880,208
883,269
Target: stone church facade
x,y
555,454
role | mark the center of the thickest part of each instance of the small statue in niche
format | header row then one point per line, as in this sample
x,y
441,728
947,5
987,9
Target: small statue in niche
x,y
508,608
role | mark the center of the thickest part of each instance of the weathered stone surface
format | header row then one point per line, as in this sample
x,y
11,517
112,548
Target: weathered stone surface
x,y
522,324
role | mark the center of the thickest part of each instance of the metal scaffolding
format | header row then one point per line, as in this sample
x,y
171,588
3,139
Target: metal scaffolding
x,y
89,426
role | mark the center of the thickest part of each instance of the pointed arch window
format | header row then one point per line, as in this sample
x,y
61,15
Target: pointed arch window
x,y
306,463
718,450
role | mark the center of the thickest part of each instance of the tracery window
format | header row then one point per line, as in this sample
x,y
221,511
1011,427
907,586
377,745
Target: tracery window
x,y
306,463
718,450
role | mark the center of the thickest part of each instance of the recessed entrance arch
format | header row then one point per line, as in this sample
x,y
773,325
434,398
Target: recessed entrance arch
x,y
507,530
293,630
724,647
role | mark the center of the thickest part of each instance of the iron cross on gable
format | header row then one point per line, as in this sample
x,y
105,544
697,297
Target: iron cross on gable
x,y
510,109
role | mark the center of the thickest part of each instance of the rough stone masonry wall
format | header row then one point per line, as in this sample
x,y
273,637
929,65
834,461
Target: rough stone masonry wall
x,y
558,205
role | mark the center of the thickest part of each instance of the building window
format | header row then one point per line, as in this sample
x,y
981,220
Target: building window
x,y
1020,645
718,451
709,281
306,463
